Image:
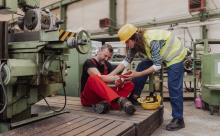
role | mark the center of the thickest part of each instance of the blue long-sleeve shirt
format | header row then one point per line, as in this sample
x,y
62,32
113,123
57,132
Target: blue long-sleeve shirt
x,y
155,52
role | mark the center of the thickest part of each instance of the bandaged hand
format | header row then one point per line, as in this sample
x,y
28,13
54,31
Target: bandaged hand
x,y
119,83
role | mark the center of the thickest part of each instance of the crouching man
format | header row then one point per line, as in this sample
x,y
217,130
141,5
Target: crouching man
x,y
95,91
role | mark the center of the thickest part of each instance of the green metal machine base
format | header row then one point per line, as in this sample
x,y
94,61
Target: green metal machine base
x,y
6,126
210,81
211,100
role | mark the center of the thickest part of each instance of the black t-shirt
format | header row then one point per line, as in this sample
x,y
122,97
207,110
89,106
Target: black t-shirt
x,y
104,69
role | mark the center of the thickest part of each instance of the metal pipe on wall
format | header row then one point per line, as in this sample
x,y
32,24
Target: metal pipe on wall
x,y
125,11
205,37
63,15
169,22
3,40
112,16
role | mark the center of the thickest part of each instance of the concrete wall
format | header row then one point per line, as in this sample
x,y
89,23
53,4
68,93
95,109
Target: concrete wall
x,y
145,10
86,14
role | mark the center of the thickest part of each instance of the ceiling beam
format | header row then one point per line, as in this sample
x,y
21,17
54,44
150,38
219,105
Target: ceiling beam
x,y
60,3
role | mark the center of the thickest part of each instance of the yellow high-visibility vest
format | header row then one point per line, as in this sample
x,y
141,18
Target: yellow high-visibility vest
x,y
172,52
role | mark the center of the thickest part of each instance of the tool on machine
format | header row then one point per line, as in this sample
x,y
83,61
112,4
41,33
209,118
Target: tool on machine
x,y
150,102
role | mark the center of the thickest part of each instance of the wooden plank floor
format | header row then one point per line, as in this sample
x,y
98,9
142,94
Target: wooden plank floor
x,y
82,121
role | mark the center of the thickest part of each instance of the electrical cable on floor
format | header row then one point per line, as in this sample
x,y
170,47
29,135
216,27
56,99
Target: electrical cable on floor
x,y
3,90
64,91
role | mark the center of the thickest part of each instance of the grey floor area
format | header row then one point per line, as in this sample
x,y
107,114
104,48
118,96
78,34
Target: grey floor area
x,y
198,122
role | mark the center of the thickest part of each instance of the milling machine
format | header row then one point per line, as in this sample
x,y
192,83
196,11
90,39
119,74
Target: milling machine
x,y
32,60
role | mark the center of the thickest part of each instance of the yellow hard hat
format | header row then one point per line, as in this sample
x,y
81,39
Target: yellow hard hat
x,y
149,103
126,31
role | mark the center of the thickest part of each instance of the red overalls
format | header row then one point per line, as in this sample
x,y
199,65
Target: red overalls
x,y
96,90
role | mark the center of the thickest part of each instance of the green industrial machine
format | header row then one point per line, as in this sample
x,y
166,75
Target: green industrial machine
x,y
34,60
209,63
73,79
211,81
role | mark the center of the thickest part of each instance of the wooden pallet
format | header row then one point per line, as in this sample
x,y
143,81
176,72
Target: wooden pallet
x,y
83,121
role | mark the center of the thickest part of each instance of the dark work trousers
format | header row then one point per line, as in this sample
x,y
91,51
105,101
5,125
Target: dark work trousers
x,y
96,90
175,85
141,81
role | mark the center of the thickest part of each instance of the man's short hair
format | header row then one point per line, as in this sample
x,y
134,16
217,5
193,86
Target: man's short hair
x,y
107,46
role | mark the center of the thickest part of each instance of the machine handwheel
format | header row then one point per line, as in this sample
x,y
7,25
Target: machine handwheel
x,y
5,74
83,42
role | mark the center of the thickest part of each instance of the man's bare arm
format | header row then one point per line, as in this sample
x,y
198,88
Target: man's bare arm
x,y
105,78
118,69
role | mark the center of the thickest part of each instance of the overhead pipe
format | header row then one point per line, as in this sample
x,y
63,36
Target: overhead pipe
x,y
169,22
61,2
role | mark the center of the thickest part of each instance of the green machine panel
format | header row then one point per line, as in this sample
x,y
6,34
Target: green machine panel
x,y
211,68
8,6
211,79
73,79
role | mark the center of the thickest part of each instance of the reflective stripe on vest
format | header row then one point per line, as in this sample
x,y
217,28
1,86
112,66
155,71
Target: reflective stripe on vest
x,y
172,56
169,49
169,46
167,53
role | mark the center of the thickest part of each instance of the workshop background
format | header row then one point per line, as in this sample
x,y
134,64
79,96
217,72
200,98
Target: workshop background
x,y
195,22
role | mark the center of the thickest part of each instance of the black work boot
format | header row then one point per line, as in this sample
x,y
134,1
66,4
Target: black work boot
x,y
101,107
175,124
126,105
133,100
